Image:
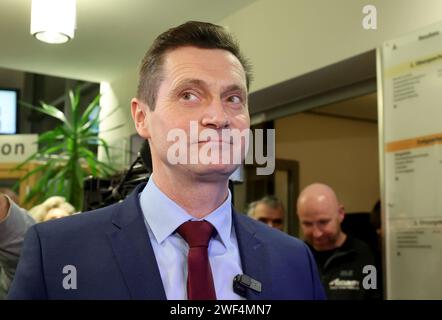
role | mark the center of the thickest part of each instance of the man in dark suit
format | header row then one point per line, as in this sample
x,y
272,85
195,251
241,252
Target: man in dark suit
x,y
176,237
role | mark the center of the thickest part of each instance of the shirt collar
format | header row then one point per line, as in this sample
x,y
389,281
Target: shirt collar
x,y
164,216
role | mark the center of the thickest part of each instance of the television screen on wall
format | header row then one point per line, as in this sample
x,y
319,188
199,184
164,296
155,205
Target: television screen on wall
x,y
8,111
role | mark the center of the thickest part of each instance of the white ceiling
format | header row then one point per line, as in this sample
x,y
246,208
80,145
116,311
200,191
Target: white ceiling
x,y
111,36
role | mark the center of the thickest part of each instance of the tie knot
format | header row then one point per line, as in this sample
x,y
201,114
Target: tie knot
x,y
196,233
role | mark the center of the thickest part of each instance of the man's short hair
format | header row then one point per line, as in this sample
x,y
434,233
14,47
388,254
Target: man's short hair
x,y
271,201
202,35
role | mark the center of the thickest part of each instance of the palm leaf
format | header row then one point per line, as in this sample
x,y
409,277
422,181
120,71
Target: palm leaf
x,y
90,108
54,112
48,111
71,142
51,136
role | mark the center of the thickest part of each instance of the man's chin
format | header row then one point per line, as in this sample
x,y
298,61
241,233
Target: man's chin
x,y
212,171
322,247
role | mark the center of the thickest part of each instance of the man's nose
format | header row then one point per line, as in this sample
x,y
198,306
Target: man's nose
x,y
215,115
316,232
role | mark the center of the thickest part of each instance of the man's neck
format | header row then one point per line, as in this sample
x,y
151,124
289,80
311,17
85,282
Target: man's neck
x,y
198,198
341,239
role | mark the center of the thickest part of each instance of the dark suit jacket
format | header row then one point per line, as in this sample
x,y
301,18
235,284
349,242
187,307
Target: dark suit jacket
x,y
113,258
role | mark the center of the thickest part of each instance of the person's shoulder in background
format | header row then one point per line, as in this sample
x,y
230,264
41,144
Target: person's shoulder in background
x,y
14,224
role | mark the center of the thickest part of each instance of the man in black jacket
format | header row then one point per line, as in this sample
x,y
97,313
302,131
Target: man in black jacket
x,y
346,264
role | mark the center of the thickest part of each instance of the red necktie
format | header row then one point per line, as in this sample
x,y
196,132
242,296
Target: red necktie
x,y
199,276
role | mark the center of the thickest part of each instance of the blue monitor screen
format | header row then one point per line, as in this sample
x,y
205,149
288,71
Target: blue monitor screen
x,y
8,111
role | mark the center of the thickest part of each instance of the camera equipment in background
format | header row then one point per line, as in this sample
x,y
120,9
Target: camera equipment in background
x,y
103,192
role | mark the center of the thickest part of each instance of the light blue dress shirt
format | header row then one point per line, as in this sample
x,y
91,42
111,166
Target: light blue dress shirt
x,y
162,217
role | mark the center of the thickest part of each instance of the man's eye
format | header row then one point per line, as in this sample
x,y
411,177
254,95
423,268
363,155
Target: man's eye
x,y
234,99
189,96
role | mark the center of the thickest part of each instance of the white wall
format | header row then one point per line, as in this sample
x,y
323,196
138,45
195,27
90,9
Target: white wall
x,y
287,38
339,152
117,93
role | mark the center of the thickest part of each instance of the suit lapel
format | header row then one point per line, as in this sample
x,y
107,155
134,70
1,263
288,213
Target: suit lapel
x,y
133,251
254,256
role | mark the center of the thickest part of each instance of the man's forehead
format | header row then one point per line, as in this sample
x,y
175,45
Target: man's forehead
x,y
317,213
312,205
318,201
191,52
189,62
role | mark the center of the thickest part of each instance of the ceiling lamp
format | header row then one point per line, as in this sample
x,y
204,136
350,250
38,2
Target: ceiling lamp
x,y
53,21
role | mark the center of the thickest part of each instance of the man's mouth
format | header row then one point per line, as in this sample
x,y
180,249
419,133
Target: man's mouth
x,y
219,141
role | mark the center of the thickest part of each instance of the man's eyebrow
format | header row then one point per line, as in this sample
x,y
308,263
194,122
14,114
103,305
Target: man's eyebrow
x,y
202,84
235,87
188,82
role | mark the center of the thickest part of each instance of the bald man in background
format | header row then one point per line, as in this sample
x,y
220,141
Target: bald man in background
x,y
340,257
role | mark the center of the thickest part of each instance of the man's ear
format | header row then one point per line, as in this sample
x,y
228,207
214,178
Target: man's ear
x,y
341,211
140,113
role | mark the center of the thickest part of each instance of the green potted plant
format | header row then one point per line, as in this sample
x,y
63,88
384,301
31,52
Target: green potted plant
x,y
65,153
